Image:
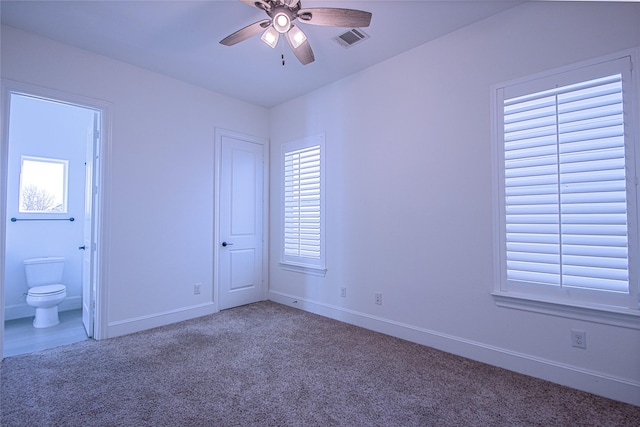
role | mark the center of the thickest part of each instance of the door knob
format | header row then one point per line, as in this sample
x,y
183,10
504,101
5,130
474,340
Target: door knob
x,y
225,244
83,247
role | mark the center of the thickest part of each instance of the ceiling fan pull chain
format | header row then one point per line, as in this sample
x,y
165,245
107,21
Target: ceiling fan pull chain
x,y
283,54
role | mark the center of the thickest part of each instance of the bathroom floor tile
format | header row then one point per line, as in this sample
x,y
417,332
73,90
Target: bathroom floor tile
x,y
21,337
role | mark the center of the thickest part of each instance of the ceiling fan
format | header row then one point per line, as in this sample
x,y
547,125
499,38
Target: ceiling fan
x,y
282,13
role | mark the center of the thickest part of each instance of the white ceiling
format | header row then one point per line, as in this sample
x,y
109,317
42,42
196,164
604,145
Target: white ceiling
x,y
181,38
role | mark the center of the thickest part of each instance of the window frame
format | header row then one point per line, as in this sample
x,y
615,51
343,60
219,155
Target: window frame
x,y
570,302
65,184
301,264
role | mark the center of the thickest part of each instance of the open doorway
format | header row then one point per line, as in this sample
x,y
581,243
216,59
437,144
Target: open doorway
x,y
51,199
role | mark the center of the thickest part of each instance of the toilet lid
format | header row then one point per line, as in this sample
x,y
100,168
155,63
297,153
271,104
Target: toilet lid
x,y
47,290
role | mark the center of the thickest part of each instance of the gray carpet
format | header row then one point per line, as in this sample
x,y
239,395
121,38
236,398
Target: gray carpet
x,y
270,365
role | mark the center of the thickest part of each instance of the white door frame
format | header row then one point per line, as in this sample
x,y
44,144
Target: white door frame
x,y
102,183
219,134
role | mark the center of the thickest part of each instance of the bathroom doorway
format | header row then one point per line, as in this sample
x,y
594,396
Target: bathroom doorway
x,y
51,183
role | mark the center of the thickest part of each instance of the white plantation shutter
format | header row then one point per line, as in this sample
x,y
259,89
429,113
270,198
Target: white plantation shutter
x,y
302,218
565,191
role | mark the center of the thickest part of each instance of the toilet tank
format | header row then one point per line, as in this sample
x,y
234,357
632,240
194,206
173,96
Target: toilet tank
x,y
43,271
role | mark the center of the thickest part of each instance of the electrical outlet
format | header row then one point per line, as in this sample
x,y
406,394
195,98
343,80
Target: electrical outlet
x,y
378,298
343,292
578,338
196,288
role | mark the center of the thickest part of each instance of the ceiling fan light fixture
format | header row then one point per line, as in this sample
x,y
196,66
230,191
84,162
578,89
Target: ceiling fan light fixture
x,y
281,22
270,37
296,36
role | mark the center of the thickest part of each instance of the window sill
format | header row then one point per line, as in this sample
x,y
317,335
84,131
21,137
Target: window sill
x,y
305,269
608,315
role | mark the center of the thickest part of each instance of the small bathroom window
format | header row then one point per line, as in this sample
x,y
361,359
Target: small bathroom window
x,y
43,185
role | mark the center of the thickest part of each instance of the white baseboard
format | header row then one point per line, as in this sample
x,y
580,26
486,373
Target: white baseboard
x,y
571,376
18,311
137,324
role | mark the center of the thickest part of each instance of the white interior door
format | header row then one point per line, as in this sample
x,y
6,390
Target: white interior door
x,y
240,237
89,247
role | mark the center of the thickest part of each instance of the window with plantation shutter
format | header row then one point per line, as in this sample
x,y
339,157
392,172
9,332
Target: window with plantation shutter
x,y
303,227
568,229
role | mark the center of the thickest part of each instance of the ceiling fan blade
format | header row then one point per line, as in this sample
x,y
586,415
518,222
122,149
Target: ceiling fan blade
x,y
334,17
302,52
245,33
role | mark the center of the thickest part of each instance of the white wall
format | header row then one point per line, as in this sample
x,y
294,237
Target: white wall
x,y
58,131
409,196
160,194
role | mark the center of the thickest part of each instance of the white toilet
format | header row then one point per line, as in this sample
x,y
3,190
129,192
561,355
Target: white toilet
x,y
45,290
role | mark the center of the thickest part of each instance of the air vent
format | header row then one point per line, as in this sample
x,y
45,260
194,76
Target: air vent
x,y
352,37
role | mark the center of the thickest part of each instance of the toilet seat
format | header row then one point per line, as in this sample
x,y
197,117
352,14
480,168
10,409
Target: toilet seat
x,y
47,290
